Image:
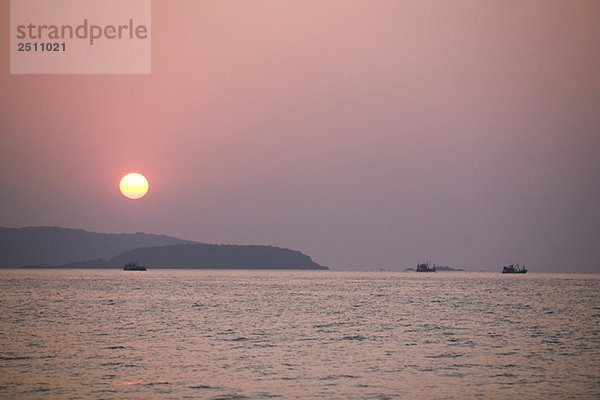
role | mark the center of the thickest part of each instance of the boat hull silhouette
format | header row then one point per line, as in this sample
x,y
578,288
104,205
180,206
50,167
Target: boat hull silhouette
x,y
514,269
132,266
425,267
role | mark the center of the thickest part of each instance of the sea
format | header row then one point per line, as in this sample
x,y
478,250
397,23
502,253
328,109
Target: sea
x,y
209,334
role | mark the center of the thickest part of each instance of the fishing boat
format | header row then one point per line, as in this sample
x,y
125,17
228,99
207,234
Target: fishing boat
x,y
133,266
514,269
425,267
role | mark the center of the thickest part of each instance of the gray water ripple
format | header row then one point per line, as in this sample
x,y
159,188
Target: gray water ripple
x,y
297,334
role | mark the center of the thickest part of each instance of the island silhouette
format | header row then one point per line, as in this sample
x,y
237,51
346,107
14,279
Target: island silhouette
x,y
56,247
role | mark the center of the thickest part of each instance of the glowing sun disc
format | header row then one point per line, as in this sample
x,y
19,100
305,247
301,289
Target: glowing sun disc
x,y
134,185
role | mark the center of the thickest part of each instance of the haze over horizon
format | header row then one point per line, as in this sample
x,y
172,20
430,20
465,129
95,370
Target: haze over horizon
x,y
364,134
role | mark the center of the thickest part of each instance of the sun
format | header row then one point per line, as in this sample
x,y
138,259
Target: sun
x,y
134,185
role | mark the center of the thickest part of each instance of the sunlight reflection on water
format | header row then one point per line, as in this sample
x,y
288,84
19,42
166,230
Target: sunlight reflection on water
x,y
297,334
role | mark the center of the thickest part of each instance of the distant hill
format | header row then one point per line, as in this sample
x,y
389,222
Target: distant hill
x,y
52,245
208,256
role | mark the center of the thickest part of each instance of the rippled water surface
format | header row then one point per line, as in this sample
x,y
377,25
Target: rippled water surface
x,y
112,334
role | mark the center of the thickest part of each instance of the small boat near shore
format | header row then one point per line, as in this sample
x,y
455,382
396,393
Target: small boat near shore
x,y
133,266
425,267
514,269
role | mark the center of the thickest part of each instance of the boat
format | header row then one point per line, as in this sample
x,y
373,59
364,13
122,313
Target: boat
x,y
514,269
133,266
425,267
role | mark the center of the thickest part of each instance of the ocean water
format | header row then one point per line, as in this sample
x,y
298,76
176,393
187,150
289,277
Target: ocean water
x,y
176,334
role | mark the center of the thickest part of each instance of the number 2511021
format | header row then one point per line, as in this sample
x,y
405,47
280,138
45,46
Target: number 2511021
x,y
42,46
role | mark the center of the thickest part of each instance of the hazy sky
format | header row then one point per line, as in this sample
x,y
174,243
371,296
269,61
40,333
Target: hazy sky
x,y
363,133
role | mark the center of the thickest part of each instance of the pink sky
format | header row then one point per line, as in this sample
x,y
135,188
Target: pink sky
x,y
363,133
